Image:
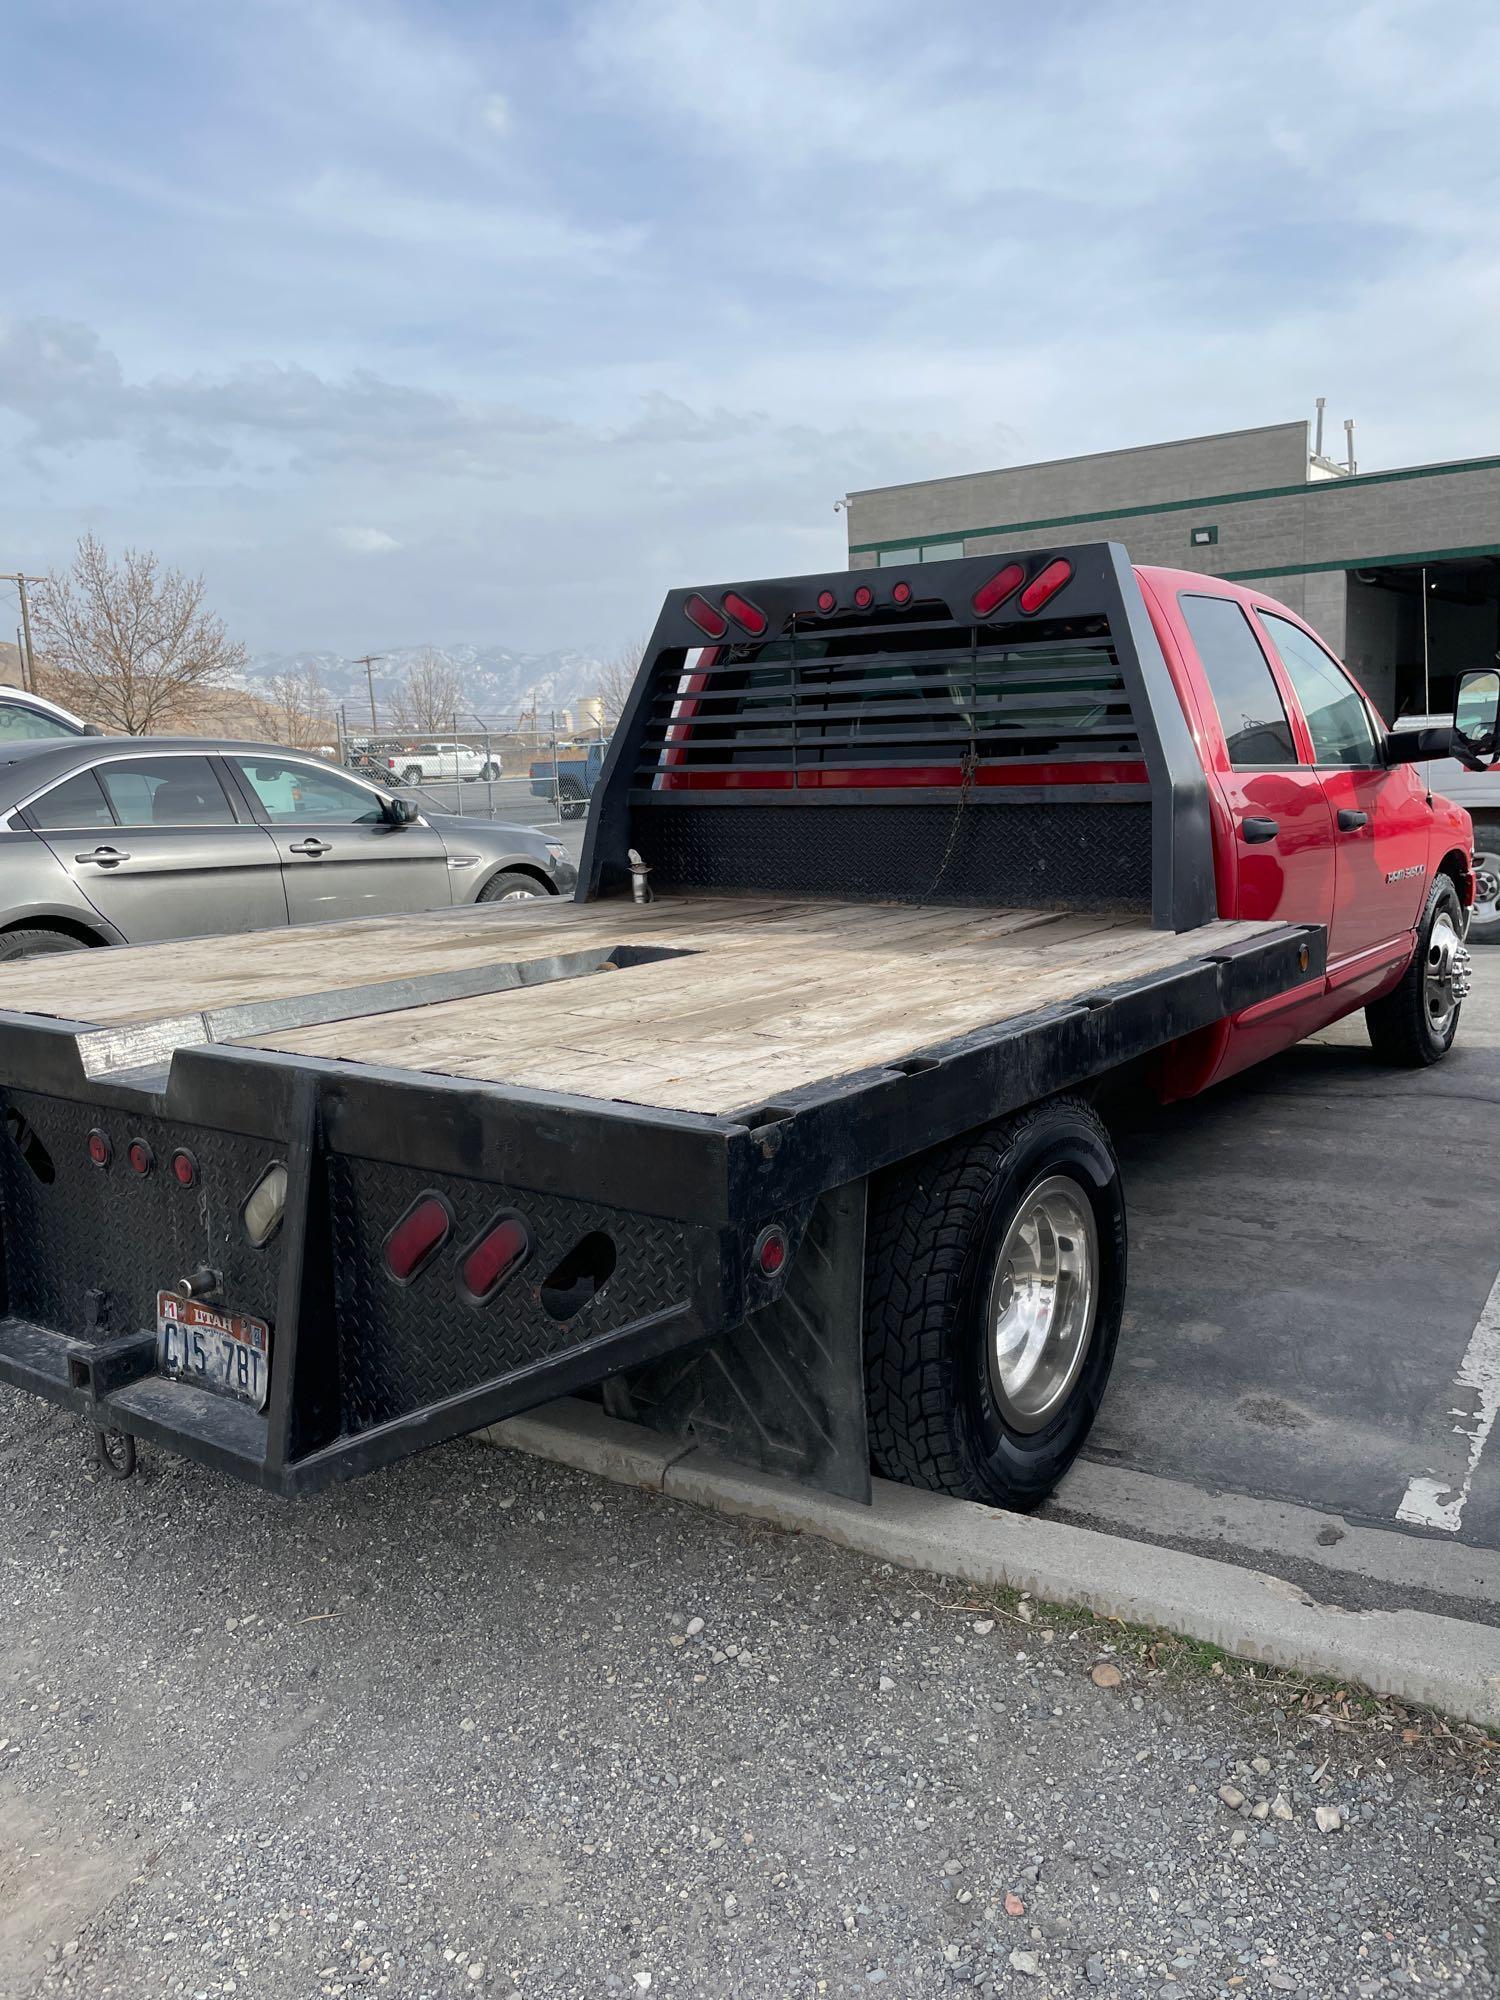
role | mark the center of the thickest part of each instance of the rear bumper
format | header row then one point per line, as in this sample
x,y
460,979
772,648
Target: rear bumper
x,y
363,1369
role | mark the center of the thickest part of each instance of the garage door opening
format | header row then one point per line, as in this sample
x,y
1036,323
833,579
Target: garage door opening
x,y
1413,629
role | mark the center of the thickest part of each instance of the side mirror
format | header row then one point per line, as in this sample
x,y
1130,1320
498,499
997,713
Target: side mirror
x,y
92,729
398,812
1416,746
1476,719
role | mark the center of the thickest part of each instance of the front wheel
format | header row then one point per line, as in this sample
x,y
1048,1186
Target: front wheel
x,y
995,1283
1484,918
1414,1025
510,886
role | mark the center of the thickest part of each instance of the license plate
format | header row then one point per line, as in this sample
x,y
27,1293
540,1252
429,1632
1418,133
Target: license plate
x,y
227,1352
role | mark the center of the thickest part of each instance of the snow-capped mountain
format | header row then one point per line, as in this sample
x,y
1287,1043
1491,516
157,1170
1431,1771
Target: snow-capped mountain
x,y
498,684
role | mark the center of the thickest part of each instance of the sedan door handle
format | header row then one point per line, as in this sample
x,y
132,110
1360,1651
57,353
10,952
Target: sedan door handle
x,y
105,856
1257,830
1351,821
312,847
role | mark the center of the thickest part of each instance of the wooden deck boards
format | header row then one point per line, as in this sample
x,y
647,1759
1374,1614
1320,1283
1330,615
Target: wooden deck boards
x,y
772,995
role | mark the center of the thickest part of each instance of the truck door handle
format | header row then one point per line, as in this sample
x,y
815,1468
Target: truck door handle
x,y
312,846
1257,830
107,857
1351,821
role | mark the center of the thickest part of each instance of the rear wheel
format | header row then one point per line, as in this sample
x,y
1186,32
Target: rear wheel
x,y
510,886
995,1285
572,800
1415,1024
32,944
1484,918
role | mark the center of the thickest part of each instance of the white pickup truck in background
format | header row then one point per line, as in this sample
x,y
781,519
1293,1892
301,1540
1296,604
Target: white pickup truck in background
x,y
1467,788
425,761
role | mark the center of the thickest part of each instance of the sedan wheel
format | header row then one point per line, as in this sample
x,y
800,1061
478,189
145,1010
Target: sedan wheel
x,y
511,886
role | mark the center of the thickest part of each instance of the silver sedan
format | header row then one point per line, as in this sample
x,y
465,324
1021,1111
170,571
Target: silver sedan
x,y
120,840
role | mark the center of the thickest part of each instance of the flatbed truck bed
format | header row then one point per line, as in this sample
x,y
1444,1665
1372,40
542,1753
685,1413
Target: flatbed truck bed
x,y
781,1136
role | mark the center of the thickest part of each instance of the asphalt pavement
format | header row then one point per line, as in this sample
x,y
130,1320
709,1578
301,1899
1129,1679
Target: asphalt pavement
x,y
486,1725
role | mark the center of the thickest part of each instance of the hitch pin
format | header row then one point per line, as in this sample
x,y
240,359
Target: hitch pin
x,y
201,1284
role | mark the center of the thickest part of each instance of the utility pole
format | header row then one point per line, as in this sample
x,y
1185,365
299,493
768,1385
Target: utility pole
x,y
367,661
28,656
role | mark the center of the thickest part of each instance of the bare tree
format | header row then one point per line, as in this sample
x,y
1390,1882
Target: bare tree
x,y
129,644
430,696
292,709
617,677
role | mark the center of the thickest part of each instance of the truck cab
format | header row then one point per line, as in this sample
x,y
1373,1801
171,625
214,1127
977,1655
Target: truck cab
x,y
1315,818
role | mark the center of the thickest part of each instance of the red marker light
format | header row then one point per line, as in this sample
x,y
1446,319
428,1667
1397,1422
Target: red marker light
x,y
902,593
707,617
491,1258
418,1237
1004,583
743,612
101,1152
1045,584
827,601
770,1250
140,1156
184,1167
864,597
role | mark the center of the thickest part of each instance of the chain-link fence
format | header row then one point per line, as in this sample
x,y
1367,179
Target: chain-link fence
x,y
538,769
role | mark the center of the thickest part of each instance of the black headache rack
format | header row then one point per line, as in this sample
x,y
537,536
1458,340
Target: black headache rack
x,y
647,1232
1001,729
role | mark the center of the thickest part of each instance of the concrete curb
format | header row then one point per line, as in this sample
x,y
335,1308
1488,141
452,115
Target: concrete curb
x,y
1442,1663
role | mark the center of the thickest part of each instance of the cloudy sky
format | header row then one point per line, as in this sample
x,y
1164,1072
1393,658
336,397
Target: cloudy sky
x,y
488,319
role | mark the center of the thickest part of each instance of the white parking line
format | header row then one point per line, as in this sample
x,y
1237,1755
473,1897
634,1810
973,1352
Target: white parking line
x,y
1439,1503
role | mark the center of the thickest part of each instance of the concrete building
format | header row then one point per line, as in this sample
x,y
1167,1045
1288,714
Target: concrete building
x,y
1355,553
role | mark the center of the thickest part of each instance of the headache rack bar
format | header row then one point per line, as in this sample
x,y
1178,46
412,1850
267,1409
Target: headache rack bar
x,y
1034,757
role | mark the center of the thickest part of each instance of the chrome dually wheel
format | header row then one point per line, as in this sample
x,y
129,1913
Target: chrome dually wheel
x,y
1041,1303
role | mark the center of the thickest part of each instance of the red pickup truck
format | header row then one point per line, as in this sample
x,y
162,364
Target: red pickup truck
x,y
1321,815
785,1133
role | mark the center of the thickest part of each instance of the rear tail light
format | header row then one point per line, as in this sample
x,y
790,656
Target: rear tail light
x,y
264,1206
184,1167
418,1237
707,617
140,1156
489,1260
901,594
864,597
101,1152
1004,583
827,601
1045,584
743,612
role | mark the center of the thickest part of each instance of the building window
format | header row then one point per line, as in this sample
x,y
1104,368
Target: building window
x,y
921,552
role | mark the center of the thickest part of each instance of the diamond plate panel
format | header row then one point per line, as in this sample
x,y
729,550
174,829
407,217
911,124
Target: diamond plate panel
x,y
113,1231
407,1346
1087,856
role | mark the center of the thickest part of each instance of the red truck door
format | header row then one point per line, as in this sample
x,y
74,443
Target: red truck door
x,y
1279,815
1382,821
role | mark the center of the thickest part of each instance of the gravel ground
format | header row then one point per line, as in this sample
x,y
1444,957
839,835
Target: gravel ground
x,y
459,1730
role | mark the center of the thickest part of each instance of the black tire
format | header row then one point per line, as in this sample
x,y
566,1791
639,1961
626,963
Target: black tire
x,y
489,773
32,944
1484,918
508,884
412,775
572,803
1404,1028
936,1229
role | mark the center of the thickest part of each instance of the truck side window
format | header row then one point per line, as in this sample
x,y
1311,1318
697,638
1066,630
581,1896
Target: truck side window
x,y
1254,718
1337,718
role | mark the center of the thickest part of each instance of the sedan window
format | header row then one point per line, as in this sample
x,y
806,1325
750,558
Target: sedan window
x,y
22,724
295,791
166,791
76,802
